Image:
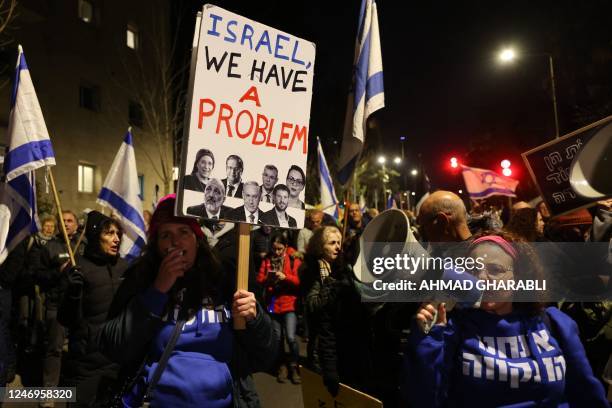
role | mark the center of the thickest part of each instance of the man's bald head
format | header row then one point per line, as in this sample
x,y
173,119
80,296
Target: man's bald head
x,y
446,202
443,217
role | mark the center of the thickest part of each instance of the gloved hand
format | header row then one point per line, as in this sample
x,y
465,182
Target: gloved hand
x,y
75,281
332,383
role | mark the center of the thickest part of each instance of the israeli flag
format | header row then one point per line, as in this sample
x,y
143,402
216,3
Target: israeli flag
x,y
483,183
391,203
362,203
29,148
120,192
367,95
329,201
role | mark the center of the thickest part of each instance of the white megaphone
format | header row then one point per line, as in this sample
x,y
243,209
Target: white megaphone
x,y
591,170
387,233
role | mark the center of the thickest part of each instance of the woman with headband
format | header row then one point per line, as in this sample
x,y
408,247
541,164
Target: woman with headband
x,y
504,353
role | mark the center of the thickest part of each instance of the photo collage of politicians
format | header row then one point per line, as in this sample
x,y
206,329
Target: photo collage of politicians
x,y
217,188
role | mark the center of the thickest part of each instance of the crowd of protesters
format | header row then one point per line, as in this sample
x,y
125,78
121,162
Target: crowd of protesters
x,y
128,334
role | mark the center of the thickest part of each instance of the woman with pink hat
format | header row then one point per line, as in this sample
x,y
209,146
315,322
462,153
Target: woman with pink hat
x,y
511,351
171,323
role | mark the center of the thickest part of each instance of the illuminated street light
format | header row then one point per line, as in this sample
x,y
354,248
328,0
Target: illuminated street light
x,y
460,191
508,55
382,159
414,172
397,160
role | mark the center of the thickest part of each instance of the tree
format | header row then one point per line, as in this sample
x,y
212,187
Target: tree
x,y
155,82
8,12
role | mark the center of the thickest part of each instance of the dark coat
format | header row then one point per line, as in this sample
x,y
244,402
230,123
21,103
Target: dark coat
x,y
262,195
237,214
360,343
46,263
200,211
238,193
192,182
270,218
84,314
130,328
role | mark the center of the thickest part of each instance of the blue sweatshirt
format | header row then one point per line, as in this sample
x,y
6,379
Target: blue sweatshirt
x,y
480,359
197,373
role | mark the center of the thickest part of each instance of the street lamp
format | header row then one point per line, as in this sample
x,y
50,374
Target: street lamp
x,y
382,160
397,160
414,172
508,55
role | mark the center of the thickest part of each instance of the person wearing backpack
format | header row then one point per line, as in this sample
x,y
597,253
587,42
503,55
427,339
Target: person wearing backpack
x,y
279,276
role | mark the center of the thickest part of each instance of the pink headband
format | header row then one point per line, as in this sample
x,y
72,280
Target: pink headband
x,y
496,239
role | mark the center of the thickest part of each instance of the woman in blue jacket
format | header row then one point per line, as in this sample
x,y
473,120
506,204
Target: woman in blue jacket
x,y
179,280
505,353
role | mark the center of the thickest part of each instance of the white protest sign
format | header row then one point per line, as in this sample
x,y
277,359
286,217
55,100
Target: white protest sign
x,y
244,157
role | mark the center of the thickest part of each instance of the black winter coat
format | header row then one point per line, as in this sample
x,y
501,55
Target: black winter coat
x,y
360,343
46,263
85,314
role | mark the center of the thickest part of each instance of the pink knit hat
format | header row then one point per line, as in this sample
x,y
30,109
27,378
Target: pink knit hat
x,y
164,212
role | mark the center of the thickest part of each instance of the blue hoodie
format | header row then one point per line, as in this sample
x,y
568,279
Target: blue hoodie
x,y
480,359
197,373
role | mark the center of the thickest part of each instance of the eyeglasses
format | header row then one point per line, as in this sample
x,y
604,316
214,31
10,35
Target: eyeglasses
x,y
292,180
493,271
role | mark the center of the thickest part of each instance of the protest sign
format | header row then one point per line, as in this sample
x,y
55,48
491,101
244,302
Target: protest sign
x,y
549,166
315,394
246,141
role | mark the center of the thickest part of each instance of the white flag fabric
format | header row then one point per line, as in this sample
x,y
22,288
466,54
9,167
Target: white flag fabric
x,y
29,144
329,201
362,203
367,95
120,192
29,148
391,203
482,183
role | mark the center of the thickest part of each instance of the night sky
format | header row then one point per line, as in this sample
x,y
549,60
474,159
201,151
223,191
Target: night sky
x,y
444,90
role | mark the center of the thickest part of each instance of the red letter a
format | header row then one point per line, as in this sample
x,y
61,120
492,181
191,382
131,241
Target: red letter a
x,y
251,95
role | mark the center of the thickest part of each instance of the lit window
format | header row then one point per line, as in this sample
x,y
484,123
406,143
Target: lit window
x,y
86,179
85,11
132,37
89,97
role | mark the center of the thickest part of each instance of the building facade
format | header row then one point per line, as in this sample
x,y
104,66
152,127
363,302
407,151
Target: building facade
x,y
92,63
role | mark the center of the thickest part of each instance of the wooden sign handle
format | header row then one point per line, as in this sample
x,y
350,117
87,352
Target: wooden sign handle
x,y
242,271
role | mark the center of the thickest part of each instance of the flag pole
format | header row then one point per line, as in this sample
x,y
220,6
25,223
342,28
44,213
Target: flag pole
x,y
345,215
61,219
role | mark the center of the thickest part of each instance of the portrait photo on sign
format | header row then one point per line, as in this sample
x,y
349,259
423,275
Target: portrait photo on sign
x,y
246,143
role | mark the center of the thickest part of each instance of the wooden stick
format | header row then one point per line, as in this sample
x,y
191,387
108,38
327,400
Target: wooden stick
x,y
242,272
76,247
347,204
61,219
